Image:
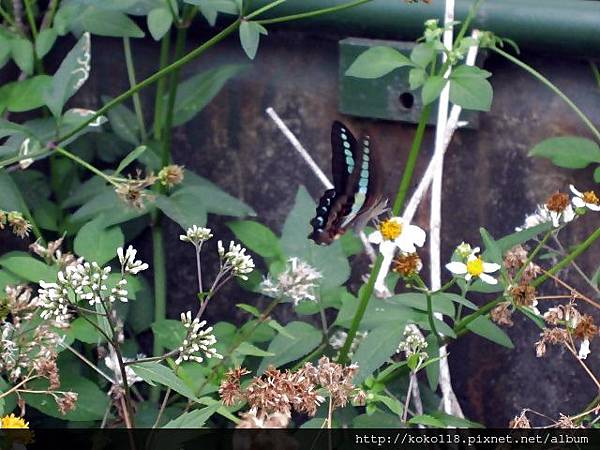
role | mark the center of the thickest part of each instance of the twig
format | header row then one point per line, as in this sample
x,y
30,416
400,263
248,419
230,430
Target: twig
x,y
162,408
573,290
411,380
89,363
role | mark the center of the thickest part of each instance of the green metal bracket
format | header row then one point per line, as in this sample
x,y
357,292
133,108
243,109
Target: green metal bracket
x,y
388,97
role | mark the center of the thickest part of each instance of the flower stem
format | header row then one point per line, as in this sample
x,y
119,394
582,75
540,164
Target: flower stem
x,y
552,87
160,287
137,104
533,254
315,13
159,101
265,8
85,164
31,19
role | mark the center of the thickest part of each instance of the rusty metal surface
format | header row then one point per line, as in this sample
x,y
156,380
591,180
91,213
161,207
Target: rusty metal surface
x,y
489,181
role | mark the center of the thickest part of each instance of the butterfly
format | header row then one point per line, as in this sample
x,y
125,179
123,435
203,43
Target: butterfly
x,y
356,197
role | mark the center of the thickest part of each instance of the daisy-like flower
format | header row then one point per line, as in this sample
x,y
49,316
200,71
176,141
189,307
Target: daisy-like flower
x,y
296,283
587,199
474,267
540,216
13,421
560,209
196,235
198,340
235,259
393,234
128,261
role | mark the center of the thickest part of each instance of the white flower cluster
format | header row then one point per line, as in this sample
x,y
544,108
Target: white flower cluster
x,y
199,340
128,262
414,343
196,235
235,259
296,283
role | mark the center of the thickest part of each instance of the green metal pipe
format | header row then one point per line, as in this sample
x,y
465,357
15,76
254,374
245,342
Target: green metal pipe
x,y
571,26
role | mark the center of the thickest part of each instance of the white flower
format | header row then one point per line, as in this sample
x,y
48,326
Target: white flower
x,y
119,292
394,234
196,235
198,340
112,363
296,283
587,199
566,216
475,267
464,250
540,216
235,259
584,349
128,261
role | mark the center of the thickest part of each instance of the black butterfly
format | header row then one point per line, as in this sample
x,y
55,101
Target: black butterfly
x,y
356,197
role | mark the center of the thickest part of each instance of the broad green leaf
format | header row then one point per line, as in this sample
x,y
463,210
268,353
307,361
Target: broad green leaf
x,y
492,251
419,301
508,242
597,174
416,78
285,350
83,331
378,419
169,333
91,405
432,88
193,419
393,404
470,89
130,158
454,421
11,198
250,36
10,401
198,91
378,312
44,42
422,54
213,198
25,95
7,278
22,53
123,122
4,55
28,268
70,76
256,237
157,373
426,419
245,348
376,349
97,243
377,62
432,371
456,299
489,330
571,152
10,129
159,22
183,208
110,23
112,208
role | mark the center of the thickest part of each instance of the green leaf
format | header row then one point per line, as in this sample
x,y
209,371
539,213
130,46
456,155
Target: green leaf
x,y
455,298
152,373
470,89
198,91
97,243
70,76
426,419
378,419
44,42
571,152
422,54
123,122
91,404
193,419
11,198
250,36
377,62
419,301
597,174
432,88
25,95
22,53
492,250
110,23
169,333
376,349
83,331
182,208
257,238
489,330
159,22
393,404
245,348
416,78
452,421
130,158
285,350
28,268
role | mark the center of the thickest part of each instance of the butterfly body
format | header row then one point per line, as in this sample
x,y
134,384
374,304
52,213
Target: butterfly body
x,y
356,197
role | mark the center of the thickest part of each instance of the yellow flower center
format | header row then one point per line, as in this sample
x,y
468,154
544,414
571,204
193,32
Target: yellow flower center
x,y
13,421
591,197
475,267
390,229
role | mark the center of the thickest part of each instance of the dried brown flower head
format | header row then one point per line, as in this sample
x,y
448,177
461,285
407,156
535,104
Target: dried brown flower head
x,y
520,421
553,336
230,389
407,264
171,175
566,422
502,314
66,402
133,191
557,202
20,226
523,295
586,328
515,258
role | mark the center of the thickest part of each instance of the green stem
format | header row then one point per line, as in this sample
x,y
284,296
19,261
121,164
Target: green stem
x,y
265,8
595,71
552,87
532,255
153,78
160,287
137,104
7,18
159,101
309,14
31,19
430,316
85,164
